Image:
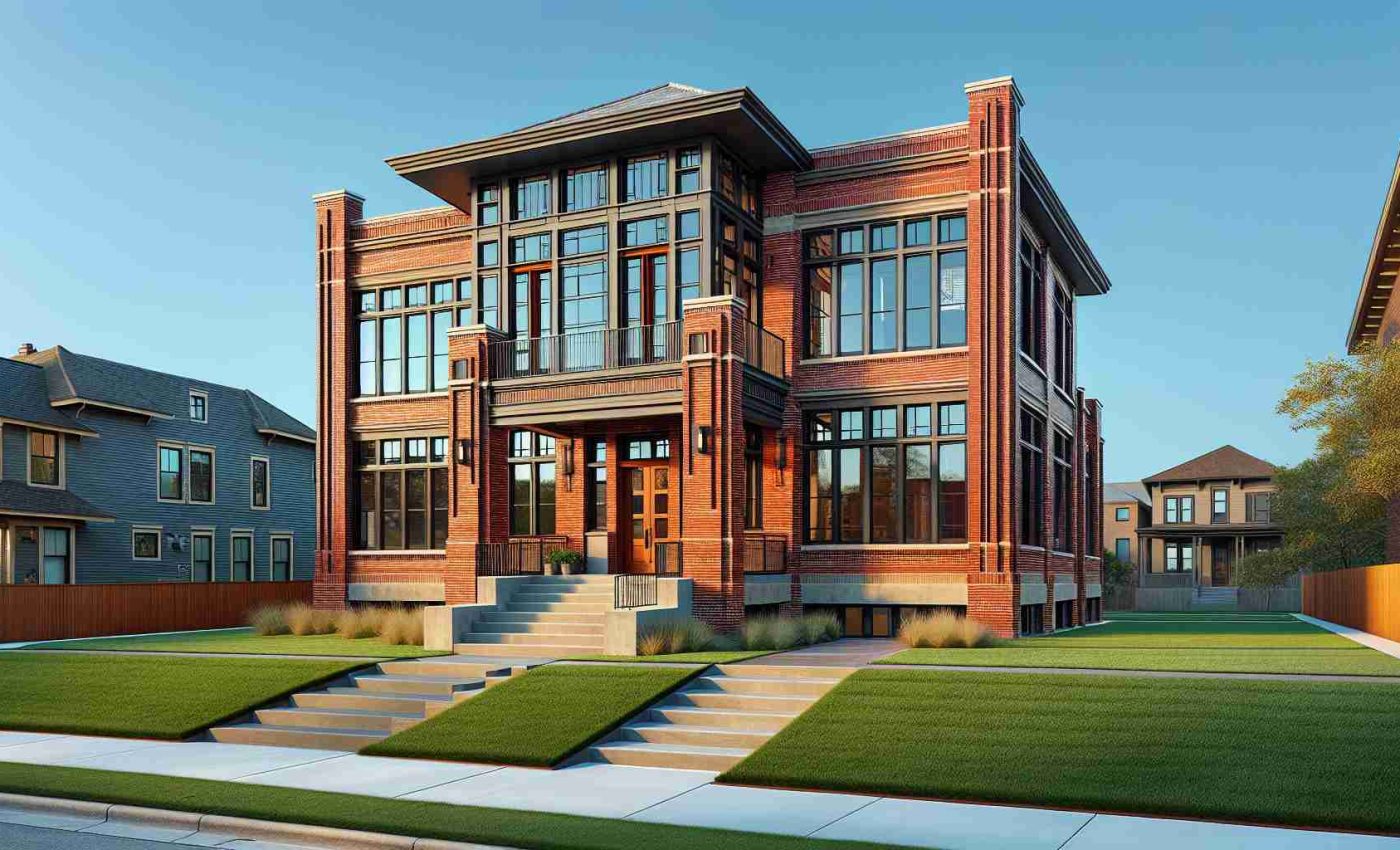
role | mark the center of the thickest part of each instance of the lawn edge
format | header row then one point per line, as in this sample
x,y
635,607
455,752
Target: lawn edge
x,y
75,645
743,655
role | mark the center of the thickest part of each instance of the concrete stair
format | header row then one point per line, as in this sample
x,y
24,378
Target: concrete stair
x,y
1216,597
551,617
369,706
717,719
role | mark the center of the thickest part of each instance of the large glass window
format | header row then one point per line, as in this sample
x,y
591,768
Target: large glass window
x,y
597,484
57,554
401,493
1032,443
531,197
532,488
404,348
1064,491
585,188
202,476
44,458
1031,300
645,178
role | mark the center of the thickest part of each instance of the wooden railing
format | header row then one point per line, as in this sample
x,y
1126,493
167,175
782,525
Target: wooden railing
x,y
519,556
1365,598
764,553
766,351
55,611
589,351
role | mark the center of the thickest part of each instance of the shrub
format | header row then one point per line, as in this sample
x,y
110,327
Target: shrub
x,y
943,630
302,619
652,642
769,632
402,626
817,628
688,635
352,624
269,620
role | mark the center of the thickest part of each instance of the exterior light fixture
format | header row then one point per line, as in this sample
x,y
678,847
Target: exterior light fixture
x,y
569,458
704,439
464,452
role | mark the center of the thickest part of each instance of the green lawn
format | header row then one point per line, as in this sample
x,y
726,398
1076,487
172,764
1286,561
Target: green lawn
x,y
468,824
1299,753
539,718
244,641
143,696
714,657
1168,631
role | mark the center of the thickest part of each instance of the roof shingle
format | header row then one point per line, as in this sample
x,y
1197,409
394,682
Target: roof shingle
x,y
1222,463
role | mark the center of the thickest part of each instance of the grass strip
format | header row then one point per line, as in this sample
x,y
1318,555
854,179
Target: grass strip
x,y
714,657
501,827
1292,753
1191,634
538,718
244,641
144,696
1324,662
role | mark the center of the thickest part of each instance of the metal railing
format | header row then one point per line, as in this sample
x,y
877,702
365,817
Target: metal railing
x,y
634,590
588,351
766,351
519,556
764,553
670,560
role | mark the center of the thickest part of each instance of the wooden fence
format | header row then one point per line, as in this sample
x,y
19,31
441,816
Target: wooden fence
x,y
51,612
1365,598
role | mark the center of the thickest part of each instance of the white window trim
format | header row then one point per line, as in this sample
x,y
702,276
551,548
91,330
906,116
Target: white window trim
x,y
158,531
72,576
213,474
252,552
204,395
184,473
291,553
60,457
267,464
210,532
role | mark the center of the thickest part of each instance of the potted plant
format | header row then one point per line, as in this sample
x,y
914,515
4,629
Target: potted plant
x,y
565,561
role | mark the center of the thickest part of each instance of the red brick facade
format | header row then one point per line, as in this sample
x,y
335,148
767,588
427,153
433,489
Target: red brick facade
x,y
974,167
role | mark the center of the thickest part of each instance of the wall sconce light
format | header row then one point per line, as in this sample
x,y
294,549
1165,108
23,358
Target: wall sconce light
x,y
569,458
704,438
464,452
782,451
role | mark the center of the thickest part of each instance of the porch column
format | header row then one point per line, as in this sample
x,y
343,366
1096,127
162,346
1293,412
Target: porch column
x,y
712,475
477,507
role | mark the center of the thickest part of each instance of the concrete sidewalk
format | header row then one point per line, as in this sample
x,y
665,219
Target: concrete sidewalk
x,y
1376,642
681,797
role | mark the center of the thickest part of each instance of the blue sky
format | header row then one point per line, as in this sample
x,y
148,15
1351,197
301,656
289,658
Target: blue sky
x,y
1226,166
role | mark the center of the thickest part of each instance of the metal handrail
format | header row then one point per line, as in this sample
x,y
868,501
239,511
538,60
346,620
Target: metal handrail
x,y
634,590
586,351
518,556
765,351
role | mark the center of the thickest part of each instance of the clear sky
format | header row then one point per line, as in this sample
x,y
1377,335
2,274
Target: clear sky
x,y
157,163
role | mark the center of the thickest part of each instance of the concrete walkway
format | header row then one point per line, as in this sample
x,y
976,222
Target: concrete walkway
x,y
658,795
846,652
1376,642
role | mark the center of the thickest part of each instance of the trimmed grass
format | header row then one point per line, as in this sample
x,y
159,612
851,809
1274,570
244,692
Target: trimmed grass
x,y
244,641
1193,632
1297,753
1334,662
714,657
143,696
471,824
539,718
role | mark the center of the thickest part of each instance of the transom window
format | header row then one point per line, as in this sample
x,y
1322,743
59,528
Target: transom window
x,y
646,448
644,231
532,483
44,458
584,240
402,337
869,482
401,493
867,293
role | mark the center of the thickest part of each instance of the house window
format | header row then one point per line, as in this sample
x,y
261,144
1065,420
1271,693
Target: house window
x,y
1180,557
488,254
688,224
240,557
57,556
1063,492
596,479
1219,505
281,556
201,556
1258,507
406,346
585,309
1121,514
688,274
530,249
531,197
202,476
584,240
172,474
1180,509
145,544
199,406
259,475
688,171
488,205
645,231
646,178
1122,549
952,298
532,483
867,484
401,493
647,448
753,477
1032,442
1031,297
44,459
1064,339
585,188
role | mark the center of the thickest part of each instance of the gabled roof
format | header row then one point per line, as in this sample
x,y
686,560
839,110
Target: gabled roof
x,y
273,421
19,499
654,96
1125,491
1225,462
1382,269
24,398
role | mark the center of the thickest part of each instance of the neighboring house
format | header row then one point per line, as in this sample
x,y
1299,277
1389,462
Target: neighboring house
x,y
1377,314
1207,514
1126,510
112,473
665,333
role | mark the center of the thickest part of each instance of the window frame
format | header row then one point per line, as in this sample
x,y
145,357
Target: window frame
x,y
569,204
179,450
1032,467
158,531
213,474
204,397
1122,514
272,540
211,535
535,460
60,449
662,180
1216,494
243,534
596,489
70,569
377,468
252,483
370,327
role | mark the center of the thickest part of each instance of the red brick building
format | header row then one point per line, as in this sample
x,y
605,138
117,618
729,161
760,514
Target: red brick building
x,y
662,332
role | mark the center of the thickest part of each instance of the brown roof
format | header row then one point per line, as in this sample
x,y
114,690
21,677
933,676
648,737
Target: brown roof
x,y
1382,267
1224,462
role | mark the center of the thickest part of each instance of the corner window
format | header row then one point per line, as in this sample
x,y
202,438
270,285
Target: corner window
x,y
199,406
44,460
171,486
145,544
260,479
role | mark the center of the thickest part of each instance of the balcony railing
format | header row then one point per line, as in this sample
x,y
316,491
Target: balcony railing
x,y
519,556
587,351
766,351
764,553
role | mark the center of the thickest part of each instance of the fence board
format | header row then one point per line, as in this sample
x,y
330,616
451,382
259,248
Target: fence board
x,y
1365,598
52,612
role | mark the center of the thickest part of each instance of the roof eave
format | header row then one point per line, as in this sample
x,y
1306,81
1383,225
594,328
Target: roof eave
x,y
1363,328
286,435
107,405
75,430
1072,253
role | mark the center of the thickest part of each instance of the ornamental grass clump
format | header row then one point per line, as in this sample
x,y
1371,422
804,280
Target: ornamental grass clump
x,y
303,620
269,620
943,630
676,636
402,626
354,624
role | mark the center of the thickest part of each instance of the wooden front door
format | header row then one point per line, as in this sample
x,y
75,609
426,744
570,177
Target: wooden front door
x,y
646,518
1220,565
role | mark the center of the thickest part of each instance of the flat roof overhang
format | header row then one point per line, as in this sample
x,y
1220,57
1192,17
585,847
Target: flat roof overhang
x,y
1382,270
736,116
1045,210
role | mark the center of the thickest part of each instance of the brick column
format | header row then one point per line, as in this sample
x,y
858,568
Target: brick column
x,y
713,482
476,510
993,137
334,353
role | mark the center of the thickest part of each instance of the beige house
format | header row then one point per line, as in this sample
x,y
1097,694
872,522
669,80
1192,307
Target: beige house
x,y
1207,514
1127,509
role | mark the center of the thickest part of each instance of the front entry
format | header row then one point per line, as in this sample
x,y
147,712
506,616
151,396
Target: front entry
x,y
647,513
1220,558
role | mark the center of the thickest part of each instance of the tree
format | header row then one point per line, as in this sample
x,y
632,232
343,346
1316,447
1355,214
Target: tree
x,y
1326,526
1267,571
1116,572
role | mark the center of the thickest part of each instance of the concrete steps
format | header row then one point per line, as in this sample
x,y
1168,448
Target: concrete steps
x,y
545,650
717,719
551,616
350,740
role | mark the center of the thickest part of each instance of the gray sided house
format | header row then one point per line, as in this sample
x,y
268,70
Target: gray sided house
x,y
112,473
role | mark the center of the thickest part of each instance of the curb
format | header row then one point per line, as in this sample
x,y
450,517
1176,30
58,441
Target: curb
x,y
130,820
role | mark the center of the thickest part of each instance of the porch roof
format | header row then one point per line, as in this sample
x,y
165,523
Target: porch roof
x,y
21,500
1216,530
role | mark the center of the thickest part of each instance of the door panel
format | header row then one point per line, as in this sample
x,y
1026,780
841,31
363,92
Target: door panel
x,y
648,519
